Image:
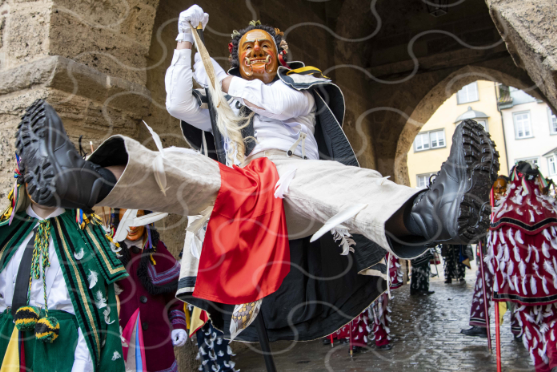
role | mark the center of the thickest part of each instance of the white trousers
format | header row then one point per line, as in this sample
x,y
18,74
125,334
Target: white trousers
x,y
319,190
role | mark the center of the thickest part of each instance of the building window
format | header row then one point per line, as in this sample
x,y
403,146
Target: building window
x,y
423,179
552,122
483,123
552,165
430,140
421,142
522,126
469,93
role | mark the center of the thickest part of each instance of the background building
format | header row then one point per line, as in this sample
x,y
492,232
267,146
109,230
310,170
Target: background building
x,y
431,147
531,130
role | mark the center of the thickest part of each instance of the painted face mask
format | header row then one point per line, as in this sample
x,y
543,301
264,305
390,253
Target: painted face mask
x,y
136,232
257,54
499,188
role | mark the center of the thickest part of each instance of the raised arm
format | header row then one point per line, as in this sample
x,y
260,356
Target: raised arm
x,y
180,101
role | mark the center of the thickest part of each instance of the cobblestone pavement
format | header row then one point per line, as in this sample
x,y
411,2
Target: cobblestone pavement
x,y
425,334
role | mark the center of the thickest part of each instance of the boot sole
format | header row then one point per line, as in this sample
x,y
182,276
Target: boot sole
x,y
482,168
39,177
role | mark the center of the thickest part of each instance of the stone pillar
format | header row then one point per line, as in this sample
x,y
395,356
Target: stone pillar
x,y
530,33
87,58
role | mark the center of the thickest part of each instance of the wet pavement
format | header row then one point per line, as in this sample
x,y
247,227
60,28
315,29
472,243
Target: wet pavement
x,y
425,336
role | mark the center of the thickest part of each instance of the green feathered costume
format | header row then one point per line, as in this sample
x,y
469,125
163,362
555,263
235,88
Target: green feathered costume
x,y
90,269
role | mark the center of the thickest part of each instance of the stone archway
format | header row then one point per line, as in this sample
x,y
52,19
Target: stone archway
x,y
439,94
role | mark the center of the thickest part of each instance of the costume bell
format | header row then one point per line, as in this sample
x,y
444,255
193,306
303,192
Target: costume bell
x,y
522,255
264,191
153,320
58,307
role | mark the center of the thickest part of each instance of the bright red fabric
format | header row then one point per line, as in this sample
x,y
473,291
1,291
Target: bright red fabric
x,y
245,255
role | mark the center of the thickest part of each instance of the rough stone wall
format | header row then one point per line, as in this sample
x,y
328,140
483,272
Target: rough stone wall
x,y
529,29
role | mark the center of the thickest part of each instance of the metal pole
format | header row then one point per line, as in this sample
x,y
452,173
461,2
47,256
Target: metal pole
x,y
486,304
264,342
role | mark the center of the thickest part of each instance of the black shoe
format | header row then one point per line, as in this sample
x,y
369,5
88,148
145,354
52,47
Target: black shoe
x,y
326,341
54,171
448,281
475,331
462,280
455,209
356,349
384,347
428,293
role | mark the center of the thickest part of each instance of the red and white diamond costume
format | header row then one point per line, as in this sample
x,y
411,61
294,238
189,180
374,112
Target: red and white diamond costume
x,y
522,255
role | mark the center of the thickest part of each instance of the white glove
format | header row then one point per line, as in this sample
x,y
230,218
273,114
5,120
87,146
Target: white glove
x,y
194,15
200,75
179,337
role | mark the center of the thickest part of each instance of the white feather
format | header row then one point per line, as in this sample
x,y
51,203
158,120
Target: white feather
x,y
545,250
529,253
532,219
148,219
502,236
338,219
522,268
495,284
518,236
510,280
79,255
158,162
100,301
537,253
551,270
554,231
106,314
544,284
553,243
515,281
92,278
510,268
124,226
516,251
507,253
533,286
510,236
546,234
346,241
524,285
281,187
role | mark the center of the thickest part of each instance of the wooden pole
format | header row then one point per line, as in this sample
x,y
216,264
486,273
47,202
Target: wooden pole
x,y
497,337
484,290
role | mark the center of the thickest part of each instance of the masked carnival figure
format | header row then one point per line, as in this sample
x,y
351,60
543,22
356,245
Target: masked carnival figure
x,y
522,257
285,170
478,317
58,308
153,320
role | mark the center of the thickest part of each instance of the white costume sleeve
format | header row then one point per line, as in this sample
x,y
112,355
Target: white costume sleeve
x,y
82,357
277,100
180,102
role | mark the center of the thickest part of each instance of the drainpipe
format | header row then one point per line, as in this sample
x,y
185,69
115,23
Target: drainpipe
x,y
504,134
